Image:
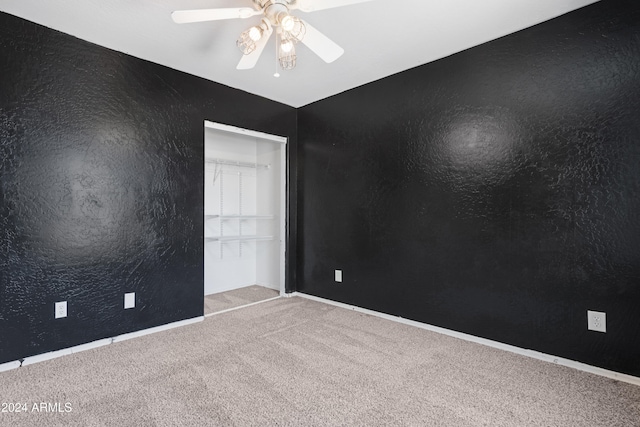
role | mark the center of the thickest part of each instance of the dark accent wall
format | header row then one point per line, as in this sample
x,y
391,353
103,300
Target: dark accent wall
x,y
494,192
101,168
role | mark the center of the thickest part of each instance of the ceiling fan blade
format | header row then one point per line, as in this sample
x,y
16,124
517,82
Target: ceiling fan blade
x,y
320,44
313,5
200,15
249,61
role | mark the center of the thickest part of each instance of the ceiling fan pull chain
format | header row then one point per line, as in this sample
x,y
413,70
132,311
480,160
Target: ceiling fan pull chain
x,y
277,74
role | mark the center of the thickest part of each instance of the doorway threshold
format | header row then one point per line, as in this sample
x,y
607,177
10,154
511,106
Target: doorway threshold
x,y
237,298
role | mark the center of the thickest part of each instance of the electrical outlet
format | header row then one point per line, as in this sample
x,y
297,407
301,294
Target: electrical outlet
x,y
338,276
130,300
596,321
61,309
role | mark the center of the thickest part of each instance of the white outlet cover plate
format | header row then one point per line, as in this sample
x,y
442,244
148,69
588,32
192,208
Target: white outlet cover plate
x,y
61,309
596,321
130,300
338,275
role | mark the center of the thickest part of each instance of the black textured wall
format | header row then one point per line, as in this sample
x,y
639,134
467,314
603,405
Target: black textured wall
x,y
495,192
101,159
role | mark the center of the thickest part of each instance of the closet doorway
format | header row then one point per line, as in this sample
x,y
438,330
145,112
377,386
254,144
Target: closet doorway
x,y
244,216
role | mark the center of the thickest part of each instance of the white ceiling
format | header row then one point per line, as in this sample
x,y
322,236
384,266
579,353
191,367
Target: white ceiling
x,y
380,38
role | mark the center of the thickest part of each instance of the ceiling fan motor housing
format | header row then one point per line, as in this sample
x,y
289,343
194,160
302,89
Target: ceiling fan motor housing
x,y
275,10
261,4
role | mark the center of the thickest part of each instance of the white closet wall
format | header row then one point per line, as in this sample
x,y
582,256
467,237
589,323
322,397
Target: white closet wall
x,y
268,261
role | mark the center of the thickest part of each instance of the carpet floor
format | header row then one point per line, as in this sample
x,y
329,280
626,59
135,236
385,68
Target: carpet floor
x,y
296,362
215,303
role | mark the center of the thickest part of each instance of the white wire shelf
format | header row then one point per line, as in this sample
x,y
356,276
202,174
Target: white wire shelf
x,y
225,162
240,216
237,238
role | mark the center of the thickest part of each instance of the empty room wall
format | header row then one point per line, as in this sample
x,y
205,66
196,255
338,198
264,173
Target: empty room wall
x,y
102,187
493,192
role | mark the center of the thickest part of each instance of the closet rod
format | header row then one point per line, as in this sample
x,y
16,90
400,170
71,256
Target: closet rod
x,y
235,163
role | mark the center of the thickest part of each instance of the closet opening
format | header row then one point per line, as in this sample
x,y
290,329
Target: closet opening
x,y
244,216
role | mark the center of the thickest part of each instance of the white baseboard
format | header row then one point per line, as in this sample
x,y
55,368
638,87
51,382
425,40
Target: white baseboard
x,y
95,344
46,356
90,345
495,344
153,330
9,365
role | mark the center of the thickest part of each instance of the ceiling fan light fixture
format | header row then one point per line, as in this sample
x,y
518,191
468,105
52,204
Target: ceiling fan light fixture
x,y
287,23
292,27
247,40
287,54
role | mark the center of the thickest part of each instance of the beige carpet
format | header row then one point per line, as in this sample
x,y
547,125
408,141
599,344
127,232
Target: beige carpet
x,y
215,303
295,362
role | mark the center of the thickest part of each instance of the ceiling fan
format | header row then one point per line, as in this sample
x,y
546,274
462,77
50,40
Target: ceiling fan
x,y
275,15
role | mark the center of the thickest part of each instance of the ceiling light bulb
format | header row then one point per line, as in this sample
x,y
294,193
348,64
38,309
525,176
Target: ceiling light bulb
x,y
288,23
292,28
286,46
287,54
255,33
